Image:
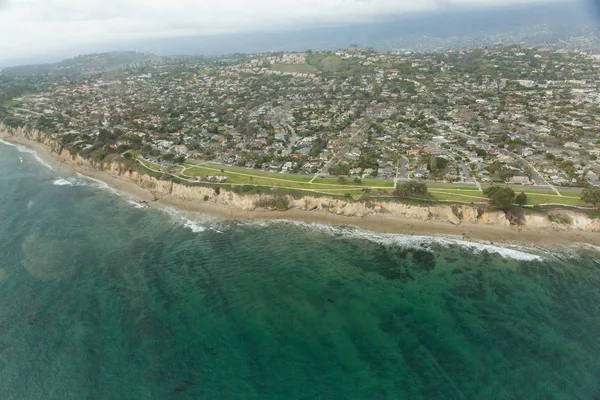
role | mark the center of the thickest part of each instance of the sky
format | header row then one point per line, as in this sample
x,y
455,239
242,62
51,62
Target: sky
x,y
36,27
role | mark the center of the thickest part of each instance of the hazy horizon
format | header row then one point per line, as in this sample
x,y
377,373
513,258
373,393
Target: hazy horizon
x,y
253,32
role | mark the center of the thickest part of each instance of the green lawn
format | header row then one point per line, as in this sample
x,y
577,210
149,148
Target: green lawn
x,y
332,186
275,180
533,199
450,187
462,196
294,68
350,182
11,103
330,63
150,165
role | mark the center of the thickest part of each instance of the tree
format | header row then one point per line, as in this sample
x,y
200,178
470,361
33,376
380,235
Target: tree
x,y
500,197
591,195
521,199
357,181
412,189
481,152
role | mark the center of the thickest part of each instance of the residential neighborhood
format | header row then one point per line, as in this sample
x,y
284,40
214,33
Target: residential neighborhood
x,y
520,116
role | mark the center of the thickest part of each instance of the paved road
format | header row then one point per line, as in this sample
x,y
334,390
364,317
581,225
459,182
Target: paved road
x,y
344,149
539,180
293,140
402,174
465,172
28,111
375,181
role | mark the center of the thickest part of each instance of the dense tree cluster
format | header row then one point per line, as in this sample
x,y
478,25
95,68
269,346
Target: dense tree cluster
x,y
500,197
412,189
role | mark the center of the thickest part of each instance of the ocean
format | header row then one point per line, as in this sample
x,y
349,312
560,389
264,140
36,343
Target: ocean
x,y
103,299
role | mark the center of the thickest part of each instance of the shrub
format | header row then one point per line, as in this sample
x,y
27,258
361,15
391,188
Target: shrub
x,y
280,203
412,189
521,199
561,219
500,197
591,195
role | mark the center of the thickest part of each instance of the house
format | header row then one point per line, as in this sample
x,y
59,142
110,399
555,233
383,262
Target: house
x,y
572,145
503,158
181,149
519,180
288,166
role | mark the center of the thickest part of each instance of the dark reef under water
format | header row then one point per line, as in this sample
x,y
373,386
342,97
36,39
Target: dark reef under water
x,y
100,300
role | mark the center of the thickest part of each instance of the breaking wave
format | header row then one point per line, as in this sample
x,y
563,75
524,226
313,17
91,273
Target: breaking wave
x,y
62,182
27,150
422,242
69,182
197,223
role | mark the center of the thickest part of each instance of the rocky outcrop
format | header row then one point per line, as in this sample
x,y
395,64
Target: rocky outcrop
x,y
455,214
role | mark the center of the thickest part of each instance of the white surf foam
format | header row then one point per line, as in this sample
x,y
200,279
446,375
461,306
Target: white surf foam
x,y
410,241
23,149
194,226
197,223
97,183
62,182
69,181
136,204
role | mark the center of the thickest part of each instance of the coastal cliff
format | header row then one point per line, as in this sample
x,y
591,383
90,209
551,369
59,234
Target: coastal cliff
x,y
554,220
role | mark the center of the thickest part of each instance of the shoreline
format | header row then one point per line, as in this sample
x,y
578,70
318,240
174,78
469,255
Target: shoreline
x,y
379,223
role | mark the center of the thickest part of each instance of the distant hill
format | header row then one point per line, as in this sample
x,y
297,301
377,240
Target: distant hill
x,y
531,25
82,64
564,24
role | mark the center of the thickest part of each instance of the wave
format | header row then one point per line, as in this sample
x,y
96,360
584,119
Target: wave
x,y
197,223
27,150
136,204
97,183
409,241
194,226
62,182
69,182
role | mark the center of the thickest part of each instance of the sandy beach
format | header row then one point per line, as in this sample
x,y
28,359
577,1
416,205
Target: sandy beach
x,y
383,223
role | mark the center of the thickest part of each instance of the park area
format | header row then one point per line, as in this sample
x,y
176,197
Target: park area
x,y
347,187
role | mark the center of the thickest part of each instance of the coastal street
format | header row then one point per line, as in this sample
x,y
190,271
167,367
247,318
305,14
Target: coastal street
x,y
341,152
402,174
293,140
342,123
461,192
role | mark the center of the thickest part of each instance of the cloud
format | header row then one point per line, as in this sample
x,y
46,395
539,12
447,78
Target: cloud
x,y
36,26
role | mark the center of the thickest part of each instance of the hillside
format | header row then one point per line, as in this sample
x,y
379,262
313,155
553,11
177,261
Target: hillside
x,y
82,64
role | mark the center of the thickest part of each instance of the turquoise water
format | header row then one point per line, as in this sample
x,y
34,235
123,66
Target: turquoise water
x,y
102,300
